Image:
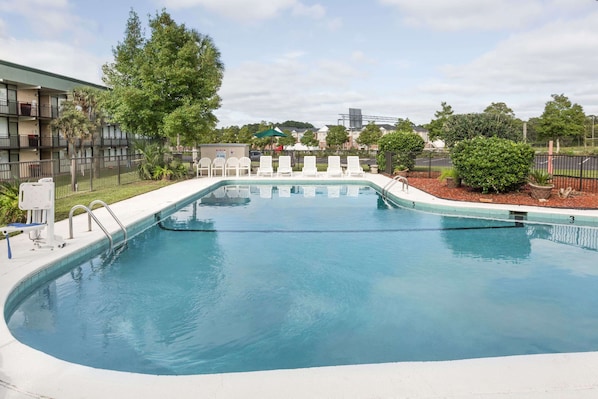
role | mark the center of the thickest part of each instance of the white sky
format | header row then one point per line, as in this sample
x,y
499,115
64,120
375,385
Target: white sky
x,y
311,61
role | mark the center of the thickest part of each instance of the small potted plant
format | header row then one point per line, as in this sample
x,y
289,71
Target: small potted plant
x,y
540,183
453,180
401,170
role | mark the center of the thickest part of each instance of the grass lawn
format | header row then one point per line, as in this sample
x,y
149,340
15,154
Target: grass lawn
x,y
109,195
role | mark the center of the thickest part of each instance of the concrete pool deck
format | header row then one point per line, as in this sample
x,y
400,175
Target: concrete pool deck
x,y
28,373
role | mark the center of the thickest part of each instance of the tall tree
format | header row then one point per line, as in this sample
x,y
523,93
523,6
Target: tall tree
x,y
369,135
499,109
165,86
561,119
75,126
467,126
404,125
309,139
91,101
337,136
435,126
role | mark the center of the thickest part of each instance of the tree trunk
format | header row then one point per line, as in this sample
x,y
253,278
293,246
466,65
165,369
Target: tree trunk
x,y
73,174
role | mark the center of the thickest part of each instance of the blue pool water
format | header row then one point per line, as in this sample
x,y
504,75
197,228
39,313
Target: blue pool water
x,y
266,277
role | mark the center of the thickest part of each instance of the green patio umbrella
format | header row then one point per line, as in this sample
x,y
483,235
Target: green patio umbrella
x,y
270,133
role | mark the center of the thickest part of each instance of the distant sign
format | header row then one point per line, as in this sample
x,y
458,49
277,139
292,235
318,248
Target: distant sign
x,y
355,118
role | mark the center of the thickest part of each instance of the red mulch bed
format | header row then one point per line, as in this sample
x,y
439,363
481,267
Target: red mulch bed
x,y
576,199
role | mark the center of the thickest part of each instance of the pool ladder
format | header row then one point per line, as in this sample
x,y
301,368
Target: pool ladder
x,y
391,183
90,215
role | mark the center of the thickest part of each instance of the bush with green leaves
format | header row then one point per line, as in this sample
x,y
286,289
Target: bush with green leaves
x,y
492,163
405,146
9,203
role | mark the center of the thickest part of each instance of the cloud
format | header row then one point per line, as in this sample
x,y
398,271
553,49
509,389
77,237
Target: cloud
x,y
468,14
316,11
528,67
252,10
287,89
53,56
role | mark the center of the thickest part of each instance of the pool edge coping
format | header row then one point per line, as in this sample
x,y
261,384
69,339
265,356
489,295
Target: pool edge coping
x,y
33,373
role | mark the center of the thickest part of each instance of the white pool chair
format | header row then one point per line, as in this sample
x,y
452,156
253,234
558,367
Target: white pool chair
x,y
334,166
245,165
265,167
38,200
204,164
353,167
218,164
309,166
231,165
284,166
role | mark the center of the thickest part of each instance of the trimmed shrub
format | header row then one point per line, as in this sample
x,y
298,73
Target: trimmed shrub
x,y
405,145
492,163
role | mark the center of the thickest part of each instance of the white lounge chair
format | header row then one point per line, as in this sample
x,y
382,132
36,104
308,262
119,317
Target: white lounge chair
x,y
265,166
284,166
218,164
353,167
204,164
231,165
245,164
334,166
309,166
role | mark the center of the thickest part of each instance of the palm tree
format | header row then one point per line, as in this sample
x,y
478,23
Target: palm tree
x,y
90,100
74,125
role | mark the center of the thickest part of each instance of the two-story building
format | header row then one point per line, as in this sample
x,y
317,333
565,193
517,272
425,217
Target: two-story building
x,y
29,100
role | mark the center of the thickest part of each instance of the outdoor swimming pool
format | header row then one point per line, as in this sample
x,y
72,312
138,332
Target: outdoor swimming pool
x,y
268,277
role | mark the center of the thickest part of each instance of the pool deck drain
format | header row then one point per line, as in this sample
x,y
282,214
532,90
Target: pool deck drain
x,y
28,373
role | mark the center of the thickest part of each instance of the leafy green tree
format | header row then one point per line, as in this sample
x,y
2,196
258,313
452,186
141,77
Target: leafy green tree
x,y
75,126
295,124
9,203
246,134
435,127
405,125
561,120
165,86
369,135
492,163
337,136
309,139
499,109
405,146
289,140
229,135
466,126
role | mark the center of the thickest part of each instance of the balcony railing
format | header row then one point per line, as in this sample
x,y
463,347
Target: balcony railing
x,y
20,108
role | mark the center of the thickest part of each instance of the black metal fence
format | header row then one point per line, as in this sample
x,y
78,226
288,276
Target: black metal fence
x,y
579,172
90,173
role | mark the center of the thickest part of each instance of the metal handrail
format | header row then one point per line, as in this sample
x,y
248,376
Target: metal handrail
x,y
95,202
391,183
91,215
